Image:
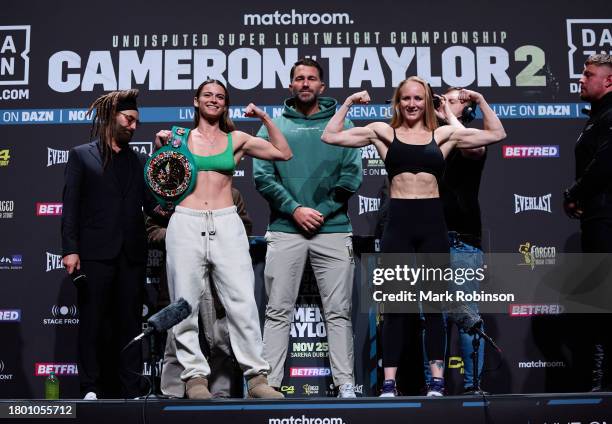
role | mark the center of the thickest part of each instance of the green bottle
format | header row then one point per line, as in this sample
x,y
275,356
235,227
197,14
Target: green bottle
x,y
52,386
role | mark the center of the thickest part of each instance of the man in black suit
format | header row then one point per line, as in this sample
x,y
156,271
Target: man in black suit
x,y
590,199
103,237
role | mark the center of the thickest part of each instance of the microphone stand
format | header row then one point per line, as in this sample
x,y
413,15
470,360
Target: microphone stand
x,y
475,371
153,358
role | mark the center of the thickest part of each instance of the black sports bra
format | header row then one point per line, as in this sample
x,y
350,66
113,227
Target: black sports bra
x,y
414,158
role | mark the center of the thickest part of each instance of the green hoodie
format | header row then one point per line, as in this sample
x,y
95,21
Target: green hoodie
x,y
319,176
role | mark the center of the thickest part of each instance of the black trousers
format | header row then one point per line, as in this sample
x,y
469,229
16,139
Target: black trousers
x,y
596,237
414,226
110,315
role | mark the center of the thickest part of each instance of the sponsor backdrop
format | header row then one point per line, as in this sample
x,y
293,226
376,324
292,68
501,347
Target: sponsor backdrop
x,y
525,57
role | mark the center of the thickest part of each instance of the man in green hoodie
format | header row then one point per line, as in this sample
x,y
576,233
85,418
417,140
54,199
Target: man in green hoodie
x,y
308,197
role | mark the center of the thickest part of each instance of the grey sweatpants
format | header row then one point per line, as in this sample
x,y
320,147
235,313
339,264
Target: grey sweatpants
x,y
331,258
200,242
224,380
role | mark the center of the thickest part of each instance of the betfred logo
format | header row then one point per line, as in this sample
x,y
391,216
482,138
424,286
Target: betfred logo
x,y
529,310
43,369
49,209
514,152
309,372
10,315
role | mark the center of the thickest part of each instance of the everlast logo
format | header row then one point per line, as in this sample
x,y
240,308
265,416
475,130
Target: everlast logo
x,y
526,203
368,204
54,262
55,157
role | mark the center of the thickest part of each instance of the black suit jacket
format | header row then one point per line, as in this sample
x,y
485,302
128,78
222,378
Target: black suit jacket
x,y
99,217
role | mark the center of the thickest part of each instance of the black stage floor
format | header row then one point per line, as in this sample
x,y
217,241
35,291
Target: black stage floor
x,y
572,408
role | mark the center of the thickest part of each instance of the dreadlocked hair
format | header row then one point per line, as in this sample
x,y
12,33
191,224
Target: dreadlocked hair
x,y
102,126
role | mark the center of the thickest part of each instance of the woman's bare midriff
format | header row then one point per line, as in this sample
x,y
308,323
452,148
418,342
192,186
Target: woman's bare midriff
x,y
213,190
414,186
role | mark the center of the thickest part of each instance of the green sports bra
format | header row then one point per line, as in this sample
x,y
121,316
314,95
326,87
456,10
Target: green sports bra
x,y
222,162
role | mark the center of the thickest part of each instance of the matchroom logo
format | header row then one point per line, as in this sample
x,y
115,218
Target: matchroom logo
x,y
14,49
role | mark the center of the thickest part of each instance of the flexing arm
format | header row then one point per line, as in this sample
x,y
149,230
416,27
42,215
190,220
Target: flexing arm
x,y
335,133
492,132
276,149
349,180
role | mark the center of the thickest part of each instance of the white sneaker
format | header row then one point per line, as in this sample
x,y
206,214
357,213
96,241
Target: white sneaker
x,y
91,396
434,393
346,390
388,389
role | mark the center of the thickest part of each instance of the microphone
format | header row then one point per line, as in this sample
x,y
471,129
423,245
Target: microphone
x,y
470,322
166,318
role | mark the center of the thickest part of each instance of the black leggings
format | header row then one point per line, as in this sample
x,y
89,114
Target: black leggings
x,y
414,226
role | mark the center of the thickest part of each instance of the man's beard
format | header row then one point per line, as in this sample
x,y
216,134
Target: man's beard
x,y
123,136
307,103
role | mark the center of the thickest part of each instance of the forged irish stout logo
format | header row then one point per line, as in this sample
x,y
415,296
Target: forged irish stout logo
x,y
584,38
528,203
14,49
537,255
7,208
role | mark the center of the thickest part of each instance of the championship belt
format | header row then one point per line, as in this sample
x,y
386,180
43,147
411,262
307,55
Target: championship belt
x,y
170,172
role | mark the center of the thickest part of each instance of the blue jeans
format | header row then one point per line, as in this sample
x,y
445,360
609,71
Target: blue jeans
x,y
463,255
